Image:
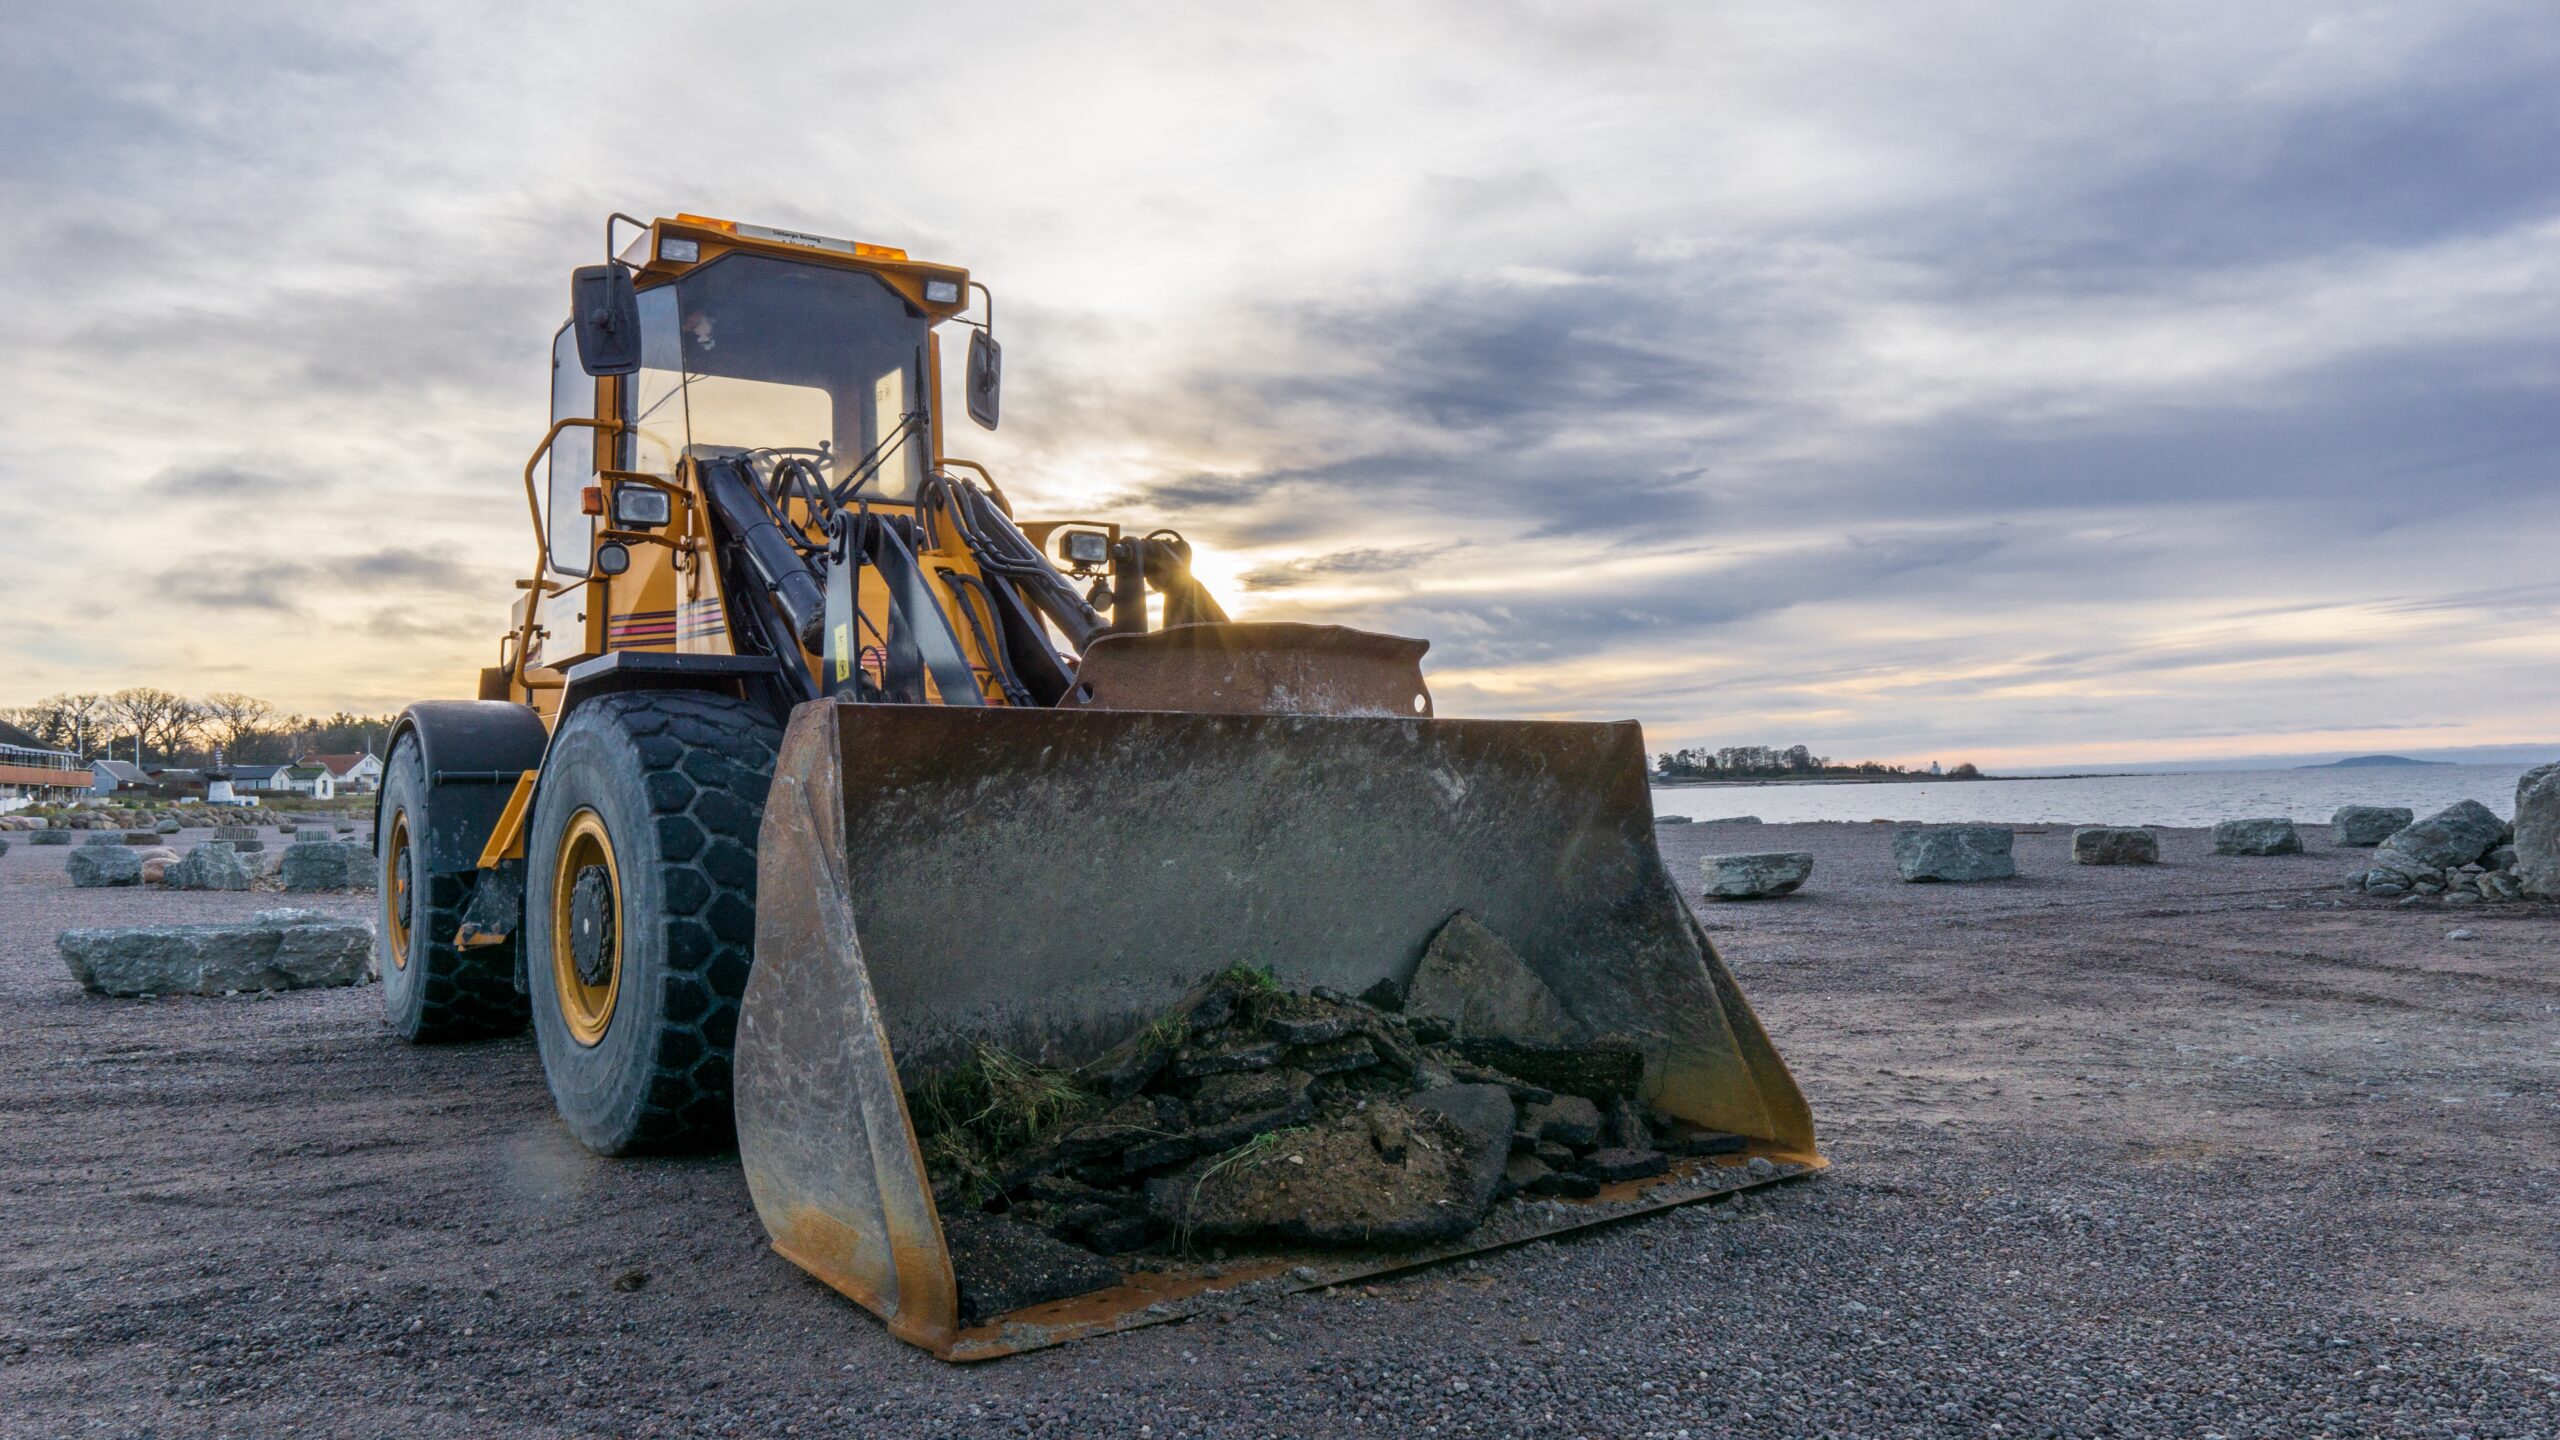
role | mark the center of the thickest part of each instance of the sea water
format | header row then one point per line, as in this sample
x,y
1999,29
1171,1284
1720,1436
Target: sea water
x,y
2194,798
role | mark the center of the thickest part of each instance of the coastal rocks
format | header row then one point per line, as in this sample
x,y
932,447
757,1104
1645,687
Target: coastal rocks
x,y
312,864
235,833
49,837
156,863
276,950
99,866
2359,827
1955,853
213,865
2537,833
2457,835
2256,837
2114,845
1754,877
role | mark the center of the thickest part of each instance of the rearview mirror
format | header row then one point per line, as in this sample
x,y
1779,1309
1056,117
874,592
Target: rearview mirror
x,y
986,378
606,310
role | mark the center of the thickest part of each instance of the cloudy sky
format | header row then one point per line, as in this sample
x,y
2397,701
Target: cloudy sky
x,y
2040,384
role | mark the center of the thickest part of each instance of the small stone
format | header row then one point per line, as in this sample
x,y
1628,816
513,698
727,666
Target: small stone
x,y
1568,1120
1309,1029
1565,1185
1612,1165
1194,1064
1519,1173
2457,934
1386,995
1760,1167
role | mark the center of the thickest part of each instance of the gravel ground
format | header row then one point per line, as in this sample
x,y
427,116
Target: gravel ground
x,y
2201,1150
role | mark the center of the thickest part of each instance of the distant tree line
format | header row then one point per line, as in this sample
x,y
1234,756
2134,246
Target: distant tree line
x,y
167,728
1763,762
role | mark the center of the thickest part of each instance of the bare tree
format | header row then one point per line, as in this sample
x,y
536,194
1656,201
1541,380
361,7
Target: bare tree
x,y
234,719
63,722
159,719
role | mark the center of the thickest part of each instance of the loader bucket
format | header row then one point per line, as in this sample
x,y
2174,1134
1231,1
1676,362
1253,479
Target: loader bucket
x,y
934,879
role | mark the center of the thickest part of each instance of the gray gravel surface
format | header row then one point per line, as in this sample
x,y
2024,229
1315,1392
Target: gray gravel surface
x,y
2202,1149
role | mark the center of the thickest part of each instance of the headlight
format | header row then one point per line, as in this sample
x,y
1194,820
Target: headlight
x,y
942,292
682,252
641,507
1087,547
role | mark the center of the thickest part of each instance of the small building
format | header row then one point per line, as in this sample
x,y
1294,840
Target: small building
x,y
106,777
352,774
312,780
248,779
32,772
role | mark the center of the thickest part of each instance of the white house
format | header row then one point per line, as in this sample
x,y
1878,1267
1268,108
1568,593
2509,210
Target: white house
x,y
248,778
313,780
355,774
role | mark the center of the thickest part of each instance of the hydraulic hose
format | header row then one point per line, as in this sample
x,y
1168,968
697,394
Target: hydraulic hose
x,y
770,553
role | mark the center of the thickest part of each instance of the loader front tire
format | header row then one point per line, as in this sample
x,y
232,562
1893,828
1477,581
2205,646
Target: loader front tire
x,y
640,891
433,990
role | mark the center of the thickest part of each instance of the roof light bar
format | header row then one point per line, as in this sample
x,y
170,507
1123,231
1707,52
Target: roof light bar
x,y
856,248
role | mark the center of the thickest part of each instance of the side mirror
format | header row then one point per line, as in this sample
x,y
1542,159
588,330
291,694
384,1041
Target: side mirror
x,y
986,378
606,310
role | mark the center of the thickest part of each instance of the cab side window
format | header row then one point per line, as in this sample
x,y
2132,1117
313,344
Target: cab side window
x,y
570,529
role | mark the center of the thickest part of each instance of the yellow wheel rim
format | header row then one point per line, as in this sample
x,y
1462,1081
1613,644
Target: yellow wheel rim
x,y
586,1001
395,885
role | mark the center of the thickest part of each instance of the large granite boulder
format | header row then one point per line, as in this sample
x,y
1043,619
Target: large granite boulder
x,y
275,950
1754,877
2114,845
2537,833
2449,839
2360,827
97,866
1955,852
313,863
49,837
2256,837
213,865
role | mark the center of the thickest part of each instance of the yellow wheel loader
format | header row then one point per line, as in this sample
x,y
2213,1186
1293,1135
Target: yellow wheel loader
x,y
807,772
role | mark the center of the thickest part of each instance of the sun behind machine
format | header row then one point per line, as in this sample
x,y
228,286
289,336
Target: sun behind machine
x,y
806,769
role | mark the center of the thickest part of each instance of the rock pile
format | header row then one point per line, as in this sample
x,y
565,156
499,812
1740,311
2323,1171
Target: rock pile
x,y
2256,837
1252,1113
275,950
1955,853
1754,877
2114,845
2461,853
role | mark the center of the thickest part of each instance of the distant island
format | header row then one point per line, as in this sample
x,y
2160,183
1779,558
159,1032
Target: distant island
x,y
2362,762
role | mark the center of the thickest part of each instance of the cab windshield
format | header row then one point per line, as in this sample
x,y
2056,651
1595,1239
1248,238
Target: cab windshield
x,y
754,353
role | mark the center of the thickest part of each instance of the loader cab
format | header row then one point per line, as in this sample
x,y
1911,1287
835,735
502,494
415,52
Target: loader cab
x,y
753,353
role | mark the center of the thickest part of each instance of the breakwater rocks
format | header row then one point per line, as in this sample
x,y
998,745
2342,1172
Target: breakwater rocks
x,y
2465,853
1955,853
276,950
1754,877
2114,845
2256,837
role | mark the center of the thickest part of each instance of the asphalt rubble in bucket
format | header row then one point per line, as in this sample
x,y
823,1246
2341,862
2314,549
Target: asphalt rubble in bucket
x,y
1253,1116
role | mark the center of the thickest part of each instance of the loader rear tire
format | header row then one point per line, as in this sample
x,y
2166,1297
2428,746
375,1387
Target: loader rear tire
x,y
640,892
433,991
